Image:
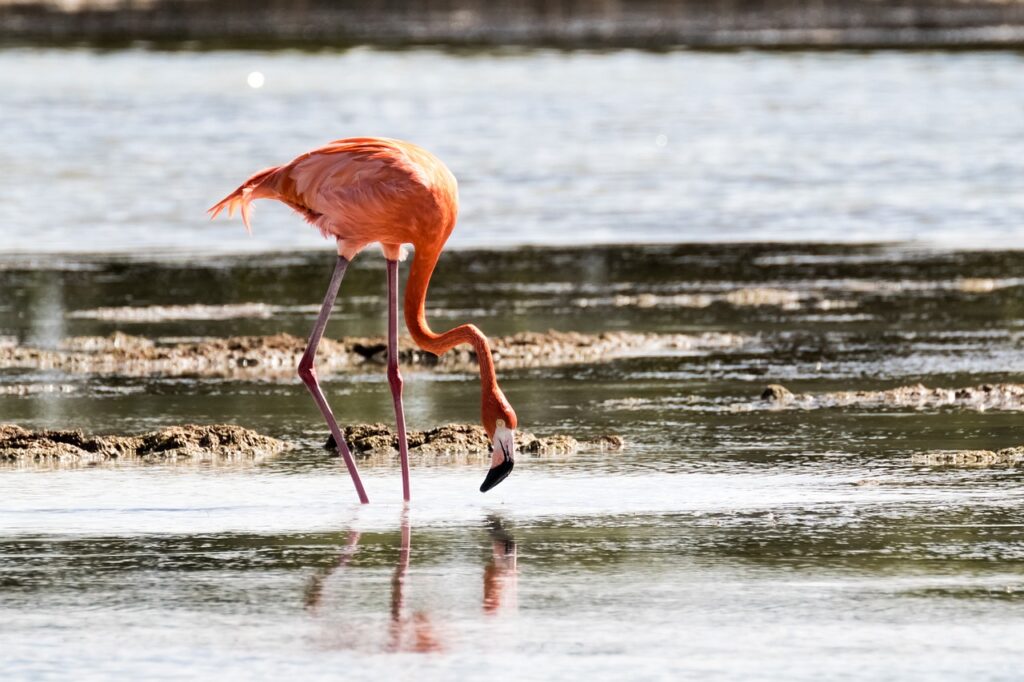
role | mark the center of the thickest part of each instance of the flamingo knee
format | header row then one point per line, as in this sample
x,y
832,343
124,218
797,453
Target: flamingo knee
x,y
395,379
307,372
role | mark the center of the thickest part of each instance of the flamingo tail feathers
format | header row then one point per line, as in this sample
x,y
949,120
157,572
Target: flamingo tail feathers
x,y
241,198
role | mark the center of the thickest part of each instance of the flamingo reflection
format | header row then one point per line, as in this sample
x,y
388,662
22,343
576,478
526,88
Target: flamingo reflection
x,y
416,632
500,573
314,592
408,633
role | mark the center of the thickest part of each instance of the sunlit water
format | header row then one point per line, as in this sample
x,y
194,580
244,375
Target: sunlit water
x,y
727,541
125,150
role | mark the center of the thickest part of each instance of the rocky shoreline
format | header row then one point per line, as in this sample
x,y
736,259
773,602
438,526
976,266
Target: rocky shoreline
x,y
277,356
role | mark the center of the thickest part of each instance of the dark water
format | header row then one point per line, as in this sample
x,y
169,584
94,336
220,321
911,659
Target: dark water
x,y
727,541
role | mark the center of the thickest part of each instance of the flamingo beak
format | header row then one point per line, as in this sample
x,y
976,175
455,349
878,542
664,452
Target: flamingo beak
x,y
503,457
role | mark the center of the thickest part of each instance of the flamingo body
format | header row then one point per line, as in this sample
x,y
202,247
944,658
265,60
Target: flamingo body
x,y
360,191
367,190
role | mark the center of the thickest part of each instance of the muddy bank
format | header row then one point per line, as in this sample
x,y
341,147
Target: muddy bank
x,y
983,397
277,356
468,439
971,458
639,23
191,442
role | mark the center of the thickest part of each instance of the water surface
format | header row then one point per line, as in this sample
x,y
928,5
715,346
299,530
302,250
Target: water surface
x,y
124,150
728,540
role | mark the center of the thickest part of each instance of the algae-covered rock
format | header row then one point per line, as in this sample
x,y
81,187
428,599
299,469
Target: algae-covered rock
x,y
467,439
195,442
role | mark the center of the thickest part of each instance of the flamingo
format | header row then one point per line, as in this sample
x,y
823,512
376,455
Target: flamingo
x,y
366,190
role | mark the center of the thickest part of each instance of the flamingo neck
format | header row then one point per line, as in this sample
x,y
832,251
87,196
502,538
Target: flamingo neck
x,y
416,319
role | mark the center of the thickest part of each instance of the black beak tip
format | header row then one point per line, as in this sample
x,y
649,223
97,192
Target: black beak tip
x,y
496,475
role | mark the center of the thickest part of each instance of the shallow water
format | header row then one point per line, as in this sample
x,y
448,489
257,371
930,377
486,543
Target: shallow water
x,y
728,540
124,150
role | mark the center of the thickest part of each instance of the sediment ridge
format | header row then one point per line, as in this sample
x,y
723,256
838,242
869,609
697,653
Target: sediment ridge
x,y
278,355
982,397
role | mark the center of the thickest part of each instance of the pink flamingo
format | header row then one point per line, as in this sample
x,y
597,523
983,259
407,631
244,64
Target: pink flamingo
x,y
364,190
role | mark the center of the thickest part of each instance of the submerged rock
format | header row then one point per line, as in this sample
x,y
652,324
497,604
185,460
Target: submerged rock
x,y
983,397
467,439
278,355
776,393
194,442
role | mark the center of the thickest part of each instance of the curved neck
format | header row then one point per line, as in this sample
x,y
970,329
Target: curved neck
x,y
416,318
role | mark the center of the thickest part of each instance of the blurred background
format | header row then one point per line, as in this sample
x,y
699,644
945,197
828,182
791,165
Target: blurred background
x,y
565,122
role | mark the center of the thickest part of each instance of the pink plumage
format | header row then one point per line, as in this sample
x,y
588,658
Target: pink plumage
x,y
365,190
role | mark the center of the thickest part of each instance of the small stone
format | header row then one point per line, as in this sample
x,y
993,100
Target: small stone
x,y
607,442
776,393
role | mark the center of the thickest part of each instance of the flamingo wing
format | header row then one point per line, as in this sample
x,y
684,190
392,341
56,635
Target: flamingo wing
x,y
345,188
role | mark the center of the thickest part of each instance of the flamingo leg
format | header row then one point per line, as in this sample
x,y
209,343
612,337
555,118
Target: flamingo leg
x,y
394,375
307,372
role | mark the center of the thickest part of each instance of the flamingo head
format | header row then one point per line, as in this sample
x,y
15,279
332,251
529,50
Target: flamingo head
x,y
500,424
